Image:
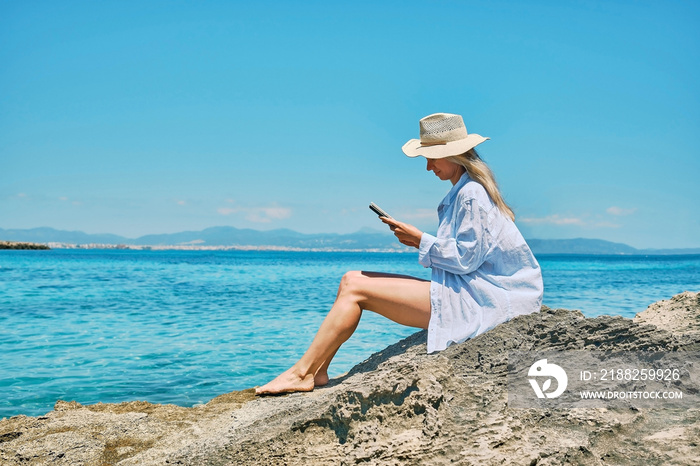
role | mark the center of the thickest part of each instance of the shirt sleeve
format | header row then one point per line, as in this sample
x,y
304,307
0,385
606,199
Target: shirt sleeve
x,y
462,253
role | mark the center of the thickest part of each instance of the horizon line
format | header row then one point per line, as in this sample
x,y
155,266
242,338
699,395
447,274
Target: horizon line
x,y
363,229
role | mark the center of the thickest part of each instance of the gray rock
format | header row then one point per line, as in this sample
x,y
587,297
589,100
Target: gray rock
x,y
678,315
400,406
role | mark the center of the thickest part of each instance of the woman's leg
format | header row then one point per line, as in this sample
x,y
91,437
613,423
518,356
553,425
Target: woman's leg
x,y
403,299
321,377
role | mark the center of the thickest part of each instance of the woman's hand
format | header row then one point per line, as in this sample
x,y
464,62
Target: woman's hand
x,y
407,234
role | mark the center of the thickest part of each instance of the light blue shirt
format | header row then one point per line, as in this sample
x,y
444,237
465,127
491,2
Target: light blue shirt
x,y
483,271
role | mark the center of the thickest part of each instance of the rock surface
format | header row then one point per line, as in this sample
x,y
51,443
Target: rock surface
x,y
16,245
678,315
401,406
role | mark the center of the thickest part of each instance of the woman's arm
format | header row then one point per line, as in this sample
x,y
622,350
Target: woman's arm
x,y
465,250
407,234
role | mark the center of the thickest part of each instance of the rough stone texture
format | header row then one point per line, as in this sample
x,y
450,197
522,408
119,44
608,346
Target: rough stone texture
x,y
401,406
678,315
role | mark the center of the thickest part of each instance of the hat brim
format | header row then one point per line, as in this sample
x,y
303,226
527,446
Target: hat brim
x,y
413,147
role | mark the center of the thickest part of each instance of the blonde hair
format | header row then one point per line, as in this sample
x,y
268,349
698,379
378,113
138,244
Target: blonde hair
x,y
482,174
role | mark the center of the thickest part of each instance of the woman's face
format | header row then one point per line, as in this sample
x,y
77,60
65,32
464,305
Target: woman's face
x,y
445,170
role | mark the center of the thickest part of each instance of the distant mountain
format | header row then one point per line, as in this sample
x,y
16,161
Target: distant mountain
x,y
229,236
48,235
579,246
597,246
217,236
364,239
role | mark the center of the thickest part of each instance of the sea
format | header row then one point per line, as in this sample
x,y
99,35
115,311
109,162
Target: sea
x,y
183,327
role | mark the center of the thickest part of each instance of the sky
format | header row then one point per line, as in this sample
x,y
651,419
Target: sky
x,y
134,118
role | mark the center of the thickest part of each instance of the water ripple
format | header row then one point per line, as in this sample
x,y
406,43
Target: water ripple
x,y
183,327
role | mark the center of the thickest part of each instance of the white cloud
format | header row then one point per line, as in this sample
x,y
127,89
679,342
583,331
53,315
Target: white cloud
x,y
227,210
67,199
607,225
557,220
256,217
552,220
257,214
267,214
277,212
619,211
181,202
421,214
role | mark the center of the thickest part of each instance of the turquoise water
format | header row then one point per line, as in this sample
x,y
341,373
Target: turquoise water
x,y
185,326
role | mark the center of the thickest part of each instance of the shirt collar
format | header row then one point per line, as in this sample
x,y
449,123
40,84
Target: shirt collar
x,y
464,179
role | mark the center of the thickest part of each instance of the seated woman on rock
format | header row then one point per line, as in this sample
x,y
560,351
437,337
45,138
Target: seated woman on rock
x,y
483,272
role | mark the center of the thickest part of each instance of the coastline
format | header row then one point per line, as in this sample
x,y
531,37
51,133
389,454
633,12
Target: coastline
x,y
222,238
193,247
401,405
23,245
189,247
60,299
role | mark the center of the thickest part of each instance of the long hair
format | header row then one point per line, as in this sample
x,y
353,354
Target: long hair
x,y
482,174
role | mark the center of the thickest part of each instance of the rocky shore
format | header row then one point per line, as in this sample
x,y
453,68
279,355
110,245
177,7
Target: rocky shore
x,y
18,245
401,406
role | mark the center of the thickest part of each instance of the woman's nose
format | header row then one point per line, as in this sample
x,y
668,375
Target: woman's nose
x,y
429,166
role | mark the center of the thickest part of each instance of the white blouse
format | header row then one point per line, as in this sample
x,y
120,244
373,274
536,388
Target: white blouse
x,y
483,271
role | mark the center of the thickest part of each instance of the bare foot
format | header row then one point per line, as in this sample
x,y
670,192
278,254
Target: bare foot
x,y
321,379
287,382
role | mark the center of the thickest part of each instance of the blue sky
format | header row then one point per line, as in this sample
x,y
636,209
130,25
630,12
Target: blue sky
x,y
137,117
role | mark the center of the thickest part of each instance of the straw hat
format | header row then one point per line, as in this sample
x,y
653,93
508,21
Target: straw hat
x,y
442,135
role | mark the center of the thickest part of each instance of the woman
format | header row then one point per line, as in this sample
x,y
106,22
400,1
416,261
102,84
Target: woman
x,y
483,272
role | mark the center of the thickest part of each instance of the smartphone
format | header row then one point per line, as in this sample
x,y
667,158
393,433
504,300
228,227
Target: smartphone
x,y
378,210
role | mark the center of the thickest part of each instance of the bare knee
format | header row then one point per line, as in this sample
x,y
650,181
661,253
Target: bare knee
x,y
351,285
